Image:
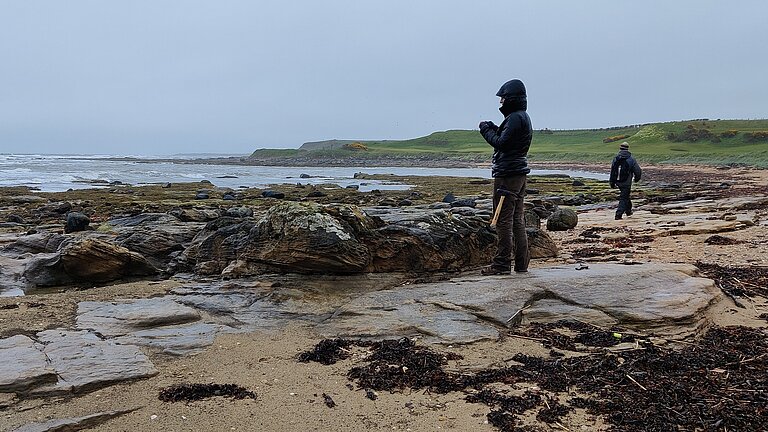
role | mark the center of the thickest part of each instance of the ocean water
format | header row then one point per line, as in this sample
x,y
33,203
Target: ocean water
x,y
55,173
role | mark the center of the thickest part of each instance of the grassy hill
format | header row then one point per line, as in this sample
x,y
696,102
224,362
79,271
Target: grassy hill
x,y
692,141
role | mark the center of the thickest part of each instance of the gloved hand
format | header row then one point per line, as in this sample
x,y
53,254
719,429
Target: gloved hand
x,y
485,125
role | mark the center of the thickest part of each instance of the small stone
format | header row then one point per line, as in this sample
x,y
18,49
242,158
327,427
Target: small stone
x,y
76,221
273,194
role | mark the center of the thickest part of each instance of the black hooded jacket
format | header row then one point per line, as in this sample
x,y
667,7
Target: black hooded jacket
x,y
510,140
634,169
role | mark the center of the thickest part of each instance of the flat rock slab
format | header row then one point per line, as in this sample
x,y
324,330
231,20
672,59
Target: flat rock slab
x,y
25,365
664,298
125,317
158,323
177,339
82,361
72,424
667,299
680,217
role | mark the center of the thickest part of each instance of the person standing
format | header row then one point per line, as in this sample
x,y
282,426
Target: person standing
x,y
510,141
623,168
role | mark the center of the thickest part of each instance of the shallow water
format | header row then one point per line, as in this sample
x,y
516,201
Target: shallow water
x,y
56,173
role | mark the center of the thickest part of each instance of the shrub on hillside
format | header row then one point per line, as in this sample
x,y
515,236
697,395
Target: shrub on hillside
x,y
729,133
756,136
611,139
692,134
355,146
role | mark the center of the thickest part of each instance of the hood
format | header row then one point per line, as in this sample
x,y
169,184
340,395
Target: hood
x,y
624,154
512,89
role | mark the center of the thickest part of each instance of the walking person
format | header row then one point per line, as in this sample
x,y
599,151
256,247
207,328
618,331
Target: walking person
x,y
623,169
510,141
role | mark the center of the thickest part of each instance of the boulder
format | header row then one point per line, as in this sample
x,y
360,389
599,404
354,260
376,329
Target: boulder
x,y
158,237
239,212
86,260
76,221
562,219
214,247
540,244
422,240
309,238
273,194
15,219
195,215
532,219
316,194
468,202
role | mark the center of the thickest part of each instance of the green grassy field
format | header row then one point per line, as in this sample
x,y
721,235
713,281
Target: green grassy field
x,y
693,141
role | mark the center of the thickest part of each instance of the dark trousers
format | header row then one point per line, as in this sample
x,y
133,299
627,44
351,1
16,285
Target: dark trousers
x,y
511,224
625,204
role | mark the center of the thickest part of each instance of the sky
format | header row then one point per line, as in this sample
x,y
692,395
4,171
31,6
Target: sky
x,y
231,76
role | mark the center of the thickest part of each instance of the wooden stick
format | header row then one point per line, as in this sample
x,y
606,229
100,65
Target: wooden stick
x,y
498,212
746,283
528,338
748,360
638,384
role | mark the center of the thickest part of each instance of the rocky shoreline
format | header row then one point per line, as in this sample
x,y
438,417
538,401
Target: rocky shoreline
x,y
127,286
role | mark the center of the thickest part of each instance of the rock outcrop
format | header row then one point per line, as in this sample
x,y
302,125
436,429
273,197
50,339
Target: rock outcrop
x,y
158,237
86,260
310,238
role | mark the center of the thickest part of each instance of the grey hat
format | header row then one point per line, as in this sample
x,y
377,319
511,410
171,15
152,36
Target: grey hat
x,y
624,146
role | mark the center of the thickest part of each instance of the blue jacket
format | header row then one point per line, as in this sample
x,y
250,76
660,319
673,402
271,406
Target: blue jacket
x,y
634,169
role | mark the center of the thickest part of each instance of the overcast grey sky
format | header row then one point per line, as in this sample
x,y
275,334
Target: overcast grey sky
x,y
230,76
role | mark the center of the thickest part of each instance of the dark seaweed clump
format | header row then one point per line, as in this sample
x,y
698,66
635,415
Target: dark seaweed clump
x,y
193,392
718,383
737,281
328,351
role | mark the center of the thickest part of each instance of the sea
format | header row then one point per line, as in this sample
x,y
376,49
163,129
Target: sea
x,y
56,173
